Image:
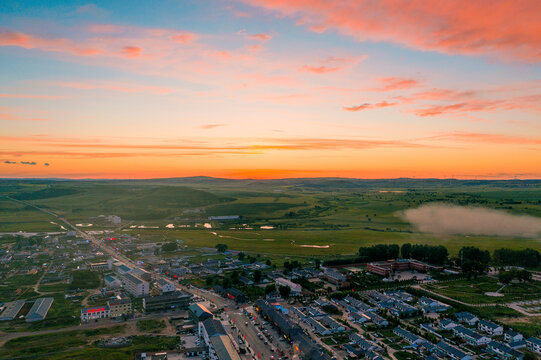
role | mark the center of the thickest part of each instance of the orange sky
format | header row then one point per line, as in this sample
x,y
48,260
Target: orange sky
x,y
271,89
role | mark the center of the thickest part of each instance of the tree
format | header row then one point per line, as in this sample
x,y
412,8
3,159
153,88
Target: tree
x,y
270,288
406,250
473,261
221,247
268,262
524,275
242,256
505,277
170,246
257,276
317,263
284,291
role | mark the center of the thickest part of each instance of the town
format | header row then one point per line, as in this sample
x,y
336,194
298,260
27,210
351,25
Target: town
x,y
225,304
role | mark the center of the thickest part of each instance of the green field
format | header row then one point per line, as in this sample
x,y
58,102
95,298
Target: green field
x,y
311,217
473,291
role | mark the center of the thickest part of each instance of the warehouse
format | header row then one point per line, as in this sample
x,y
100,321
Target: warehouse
x,y
40,309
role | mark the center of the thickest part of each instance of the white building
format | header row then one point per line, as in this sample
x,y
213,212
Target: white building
x,y
295,288
135,285
490,328
165,286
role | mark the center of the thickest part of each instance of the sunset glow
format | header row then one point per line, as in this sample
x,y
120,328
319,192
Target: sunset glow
x,y
271,89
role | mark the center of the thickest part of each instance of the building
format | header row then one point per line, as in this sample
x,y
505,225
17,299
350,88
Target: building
x,y
112,282
221,348
295,288
453,352
334,276
193,346
199,313
410,337
134,285
385,268
101,266
490,327
40,309
165,286
168,301
512,336
470,336
291,331
447,324
467,317
119,306
534,345
504,350
94,313
11,309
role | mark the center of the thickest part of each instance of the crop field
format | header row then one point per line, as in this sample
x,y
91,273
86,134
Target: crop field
x,y
308,217
473,291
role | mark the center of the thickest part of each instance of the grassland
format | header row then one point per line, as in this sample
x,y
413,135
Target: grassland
x,y
473,291
336,215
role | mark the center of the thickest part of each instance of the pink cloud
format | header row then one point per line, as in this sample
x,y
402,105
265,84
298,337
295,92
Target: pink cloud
x,y
506,29
114,86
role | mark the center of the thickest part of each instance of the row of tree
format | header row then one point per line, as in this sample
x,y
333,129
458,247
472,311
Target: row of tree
x,y
472,260
526,257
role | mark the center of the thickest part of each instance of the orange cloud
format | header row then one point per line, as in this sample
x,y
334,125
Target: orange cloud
x,y
396,83
507,29
9,38
367,106
132,51
260,36
319,69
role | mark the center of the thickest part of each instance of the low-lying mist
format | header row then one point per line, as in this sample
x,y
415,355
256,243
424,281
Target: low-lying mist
x,y
453,219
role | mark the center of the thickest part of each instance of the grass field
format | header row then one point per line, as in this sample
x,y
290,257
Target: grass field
x,y
336,215
473,291
334,242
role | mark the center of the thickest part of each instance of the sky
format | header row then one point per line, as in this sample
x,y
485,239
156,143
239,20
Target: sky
x,y
270,89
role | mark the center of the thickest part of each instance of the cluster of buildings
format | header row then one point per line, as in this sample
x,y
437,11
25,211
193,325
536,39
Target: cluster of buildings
x,y
291,331
386,268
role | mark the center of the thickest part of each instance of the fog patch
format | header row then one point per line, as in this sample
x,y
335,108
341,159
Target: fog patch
x,y
453,220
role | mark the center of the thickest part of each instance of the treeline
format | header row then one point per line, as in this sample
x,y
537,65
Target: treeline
x,y
432,254
472,260
379,252
525,258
